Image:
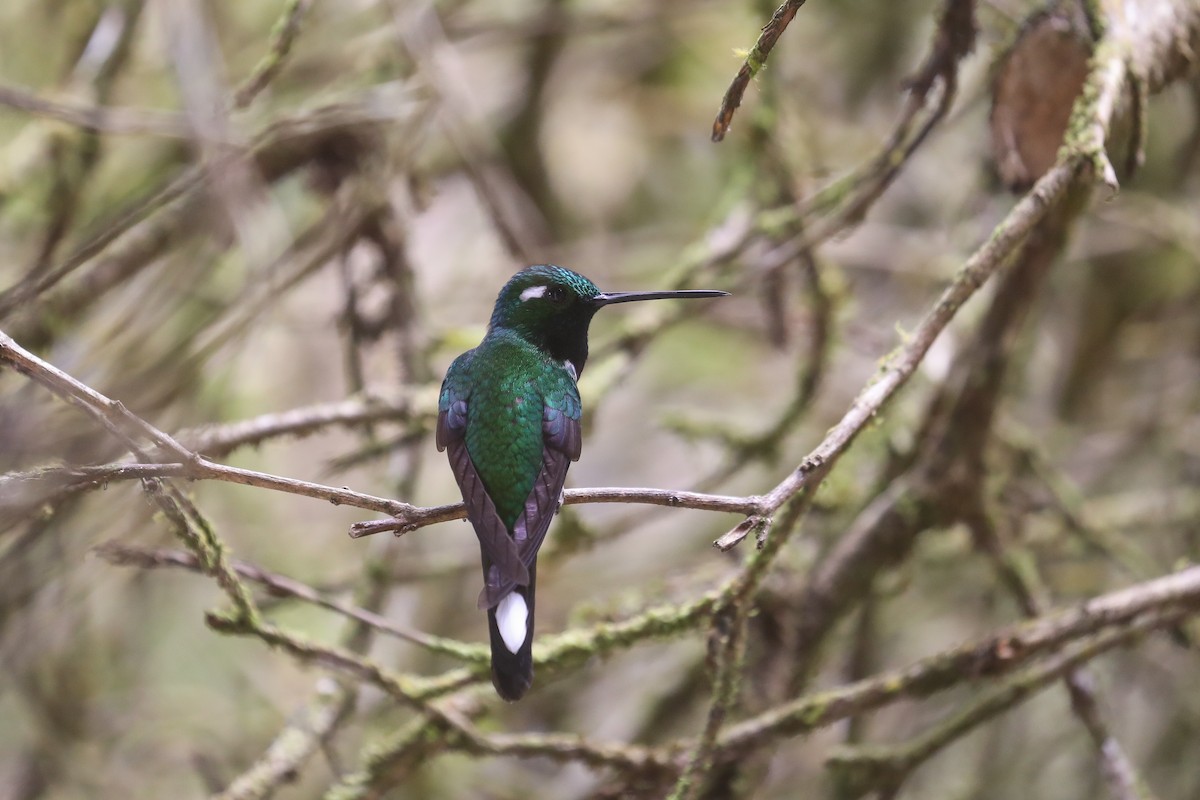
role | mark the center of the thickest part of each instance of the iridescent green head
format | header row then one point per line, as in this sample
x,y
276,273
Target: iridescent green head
x,y
552,307
535,296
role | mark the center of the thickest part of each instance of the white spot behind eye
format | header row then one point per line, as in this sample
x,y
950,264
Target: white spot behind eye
x,y
532,292
571,369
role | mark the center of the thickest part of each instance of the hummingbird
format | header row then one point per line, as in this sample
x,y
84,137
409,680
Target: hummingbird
x,y
509,416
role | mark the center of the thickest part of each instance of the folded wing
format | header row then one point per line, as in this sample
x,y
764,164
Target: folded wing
x,y
505,563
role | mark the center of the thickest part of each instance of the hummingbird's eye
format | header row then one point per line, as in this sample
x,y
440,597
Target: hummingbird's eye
x,y
556,295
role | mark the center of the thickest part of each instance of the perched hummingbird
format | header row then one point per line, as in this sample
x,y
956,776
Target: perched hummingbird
x,y
509,415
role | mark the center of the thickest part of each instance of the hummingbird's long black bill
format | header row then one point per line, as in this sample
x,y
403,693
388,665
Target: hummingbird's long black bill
x,y
608,298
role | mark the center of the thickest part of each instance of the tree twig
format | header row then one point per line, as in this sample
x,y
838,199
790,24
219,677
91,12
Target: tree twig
x,y
283,36
755,60
283,586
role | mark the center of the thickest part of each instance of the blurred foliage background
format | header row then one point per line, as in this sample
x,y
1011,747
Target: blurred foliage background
x,y
294,215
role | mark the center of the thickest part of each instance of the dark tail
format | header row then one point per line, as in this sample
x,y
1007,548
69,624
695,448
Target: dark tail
x,y
512,673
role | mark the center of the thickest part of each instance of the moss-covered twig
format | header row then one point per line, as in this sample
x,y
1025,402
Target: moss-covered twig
x,y
755,59
998,653
283,36
884,768
1018,572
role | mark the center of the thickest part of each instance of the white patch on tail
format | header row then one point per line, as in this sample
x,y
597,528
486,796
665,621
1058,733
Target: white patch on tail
x,y
511,616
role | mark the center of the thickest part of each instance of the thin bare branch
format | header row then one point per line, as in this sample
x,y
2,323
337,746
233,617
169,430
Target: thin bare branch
x,y
99,119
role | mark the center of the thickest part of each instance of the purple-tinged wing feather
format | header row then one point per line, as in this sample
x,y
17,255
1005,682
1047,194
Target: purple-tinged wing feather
x,y
561,437
451,423
541,505
500,549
